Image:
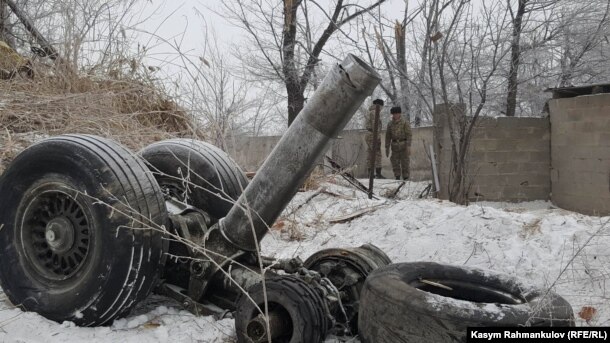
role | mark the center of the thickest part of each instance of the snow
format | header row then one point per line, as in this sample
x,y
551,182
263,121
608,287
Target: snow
x,y
535,242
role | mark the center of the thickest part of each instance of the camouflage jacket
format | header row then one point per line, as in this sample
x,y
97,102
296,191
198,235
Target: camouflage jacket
x,y
370,120
399,130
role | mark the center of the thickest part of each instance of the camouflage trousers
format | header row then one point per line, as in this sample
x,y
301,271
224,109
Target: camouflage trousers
x,y
369,142
400,159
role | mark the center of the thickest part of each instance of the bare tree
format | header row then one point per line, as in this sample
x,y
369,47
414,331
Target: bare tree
x,y
283,39
584,30
478,47
515,55
395,64
532,20
87,34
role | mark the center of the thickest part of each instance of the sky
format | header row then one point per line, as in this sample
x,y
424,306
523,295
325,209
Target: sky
x,y
171,19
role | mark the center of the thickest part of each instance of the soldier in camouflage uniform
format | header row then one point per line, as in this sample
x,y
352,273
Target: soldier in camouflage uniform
x,y
370,121
398,136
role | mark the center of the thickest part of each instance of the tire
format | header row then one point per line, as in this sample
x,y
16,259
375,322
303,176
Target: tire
x,y
396,306
215,181
347,269
296,302
67,205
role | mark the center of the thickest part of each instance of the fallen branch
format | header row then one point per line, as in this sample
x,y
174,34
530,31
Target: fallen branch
x,y
426,191
335,194
348,176
353,215
392,193
307,200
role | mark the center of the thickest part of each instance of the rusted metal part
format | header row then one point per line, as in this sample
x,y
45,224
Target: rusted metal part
x,y
333,104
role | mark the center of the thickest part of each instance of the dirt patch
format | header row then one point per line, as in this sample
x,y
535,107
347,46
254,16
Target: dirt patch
x,y
530,229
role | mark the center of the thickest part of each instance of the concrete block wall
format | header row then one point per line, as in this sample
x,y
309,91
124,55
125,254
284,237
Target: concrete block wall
x,y
508,159
251,152
349,150
580,140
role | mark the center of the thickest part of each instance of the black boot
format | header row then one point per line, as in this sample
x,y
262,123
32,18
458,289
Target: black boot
x,y
398,177
378,174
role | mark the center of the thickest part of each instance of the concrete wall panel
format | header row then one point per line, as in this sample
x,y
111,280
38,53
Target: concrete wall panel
x,y
508,160
580,153
349,150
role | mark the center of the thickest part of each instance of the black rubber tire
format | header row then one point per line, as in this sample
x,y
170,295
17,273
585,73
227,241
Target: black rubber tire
x,y
216,180
339,265
303,304
395,306
113,191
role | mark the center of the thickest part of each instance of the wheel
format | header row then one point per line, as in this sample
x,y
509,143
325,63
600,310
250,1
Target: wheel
x,y
424,301
347,269
197,173
81,236
296,312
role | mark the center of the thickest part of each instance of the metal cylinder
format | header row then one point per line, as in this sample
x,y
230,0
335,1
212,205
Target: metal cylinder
x,y
333,104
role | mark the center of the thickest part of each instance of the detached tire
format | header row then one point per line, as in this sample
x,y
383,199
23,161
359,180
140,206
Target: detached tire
x,y
197,173
347,269
82,229
396,306
298,307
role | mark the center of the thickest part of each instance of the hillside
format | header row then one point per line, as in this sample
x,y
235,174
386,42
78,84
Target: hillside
x,y
132,112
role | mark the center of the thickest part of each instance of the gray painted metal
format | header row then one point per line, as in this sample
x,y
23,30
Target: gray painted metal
x,y
333,104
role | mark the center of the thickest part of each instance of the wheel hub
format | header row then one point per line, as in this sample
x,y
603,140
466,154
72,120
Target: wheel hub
x,y
59,233
56,234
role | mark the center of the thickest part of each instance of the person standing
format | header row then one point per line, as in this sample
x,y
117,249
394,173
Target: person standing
x,y
398,136
370,124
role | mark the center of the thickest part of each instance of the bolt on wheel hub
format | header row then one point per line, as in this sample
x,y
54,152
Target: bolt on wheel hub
x,y
59,233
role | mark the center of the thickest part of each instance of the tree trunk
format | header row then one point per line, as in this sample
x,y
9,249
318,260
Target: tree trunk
x,y
289,69
296,100
399,31
515,56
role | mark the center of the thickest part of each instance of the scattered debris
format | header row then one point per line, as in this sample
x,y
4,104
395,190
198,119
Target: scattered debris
x,y
587,313
426,191
349,177
335,194
356,214
391,193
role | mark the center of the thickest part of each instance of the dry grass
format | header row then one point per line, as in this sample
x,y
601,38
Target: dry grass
x,y
314,180
131,112
289,230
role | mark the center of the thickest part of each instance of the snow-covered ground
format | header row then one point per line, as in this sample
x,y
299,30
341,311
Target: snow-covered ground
x,y
535,242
